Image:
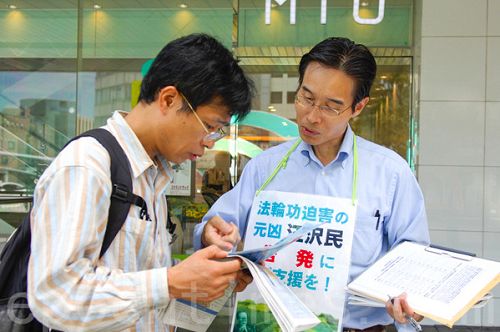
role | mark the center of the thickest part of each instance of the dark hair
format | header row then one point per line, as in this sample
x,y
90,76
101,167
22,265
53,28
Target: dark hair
x,y
202,69
343,54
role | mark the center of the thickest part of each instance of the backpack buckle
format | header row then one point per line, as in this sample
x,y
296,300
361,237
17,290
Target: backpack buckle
x,y
144,212
120,192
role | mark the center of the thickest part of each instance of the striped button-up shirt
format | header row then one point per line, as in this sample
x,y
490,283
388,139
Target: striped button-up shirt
x,y
69,287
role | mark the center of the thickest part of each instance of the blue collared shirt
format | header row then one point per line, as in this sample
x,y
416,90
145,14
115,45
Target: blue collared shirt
x,y
385,184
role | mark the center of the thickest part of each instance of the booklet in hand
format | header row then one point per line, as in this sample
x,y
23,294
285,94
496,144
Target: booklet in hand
x,y
290,313
261,254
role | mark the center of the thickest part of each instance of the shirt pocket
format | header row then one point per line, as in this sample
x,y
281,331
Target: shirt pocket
x,y
368,240
135,225
136,242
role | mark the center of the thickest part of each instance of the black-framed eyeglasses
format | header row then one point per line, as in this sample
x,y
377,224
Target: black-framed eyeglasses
x,y
309,103
213,136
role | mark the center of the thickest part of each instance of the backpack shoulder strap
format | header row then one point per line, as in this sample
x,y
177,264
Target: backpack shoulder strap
x,y
122,191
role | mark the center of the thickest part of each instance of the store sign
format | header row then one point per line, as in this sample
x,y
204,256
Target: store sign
x,y
355,12
182,181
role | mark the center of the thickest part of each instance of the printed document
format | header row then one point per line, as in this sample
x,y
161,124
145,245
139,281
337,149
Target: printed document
x,y
441,285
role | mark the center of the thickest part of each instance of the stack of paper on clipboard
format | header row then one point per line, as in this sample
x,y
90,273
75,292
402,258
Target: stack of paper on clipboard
x,y
441,285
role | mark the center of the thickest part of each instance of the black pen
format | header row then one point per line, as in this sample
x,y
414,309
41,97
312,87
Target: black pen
x,y
377,214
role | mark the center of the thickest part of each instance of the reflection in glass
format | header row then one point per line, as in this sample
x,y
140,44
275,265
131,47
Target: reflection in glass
x,y
37,117
51,90
386,118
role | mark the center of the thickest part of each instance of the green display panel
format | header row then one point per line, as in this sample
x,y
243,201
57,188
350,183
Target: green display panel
x,y
393,31
112,33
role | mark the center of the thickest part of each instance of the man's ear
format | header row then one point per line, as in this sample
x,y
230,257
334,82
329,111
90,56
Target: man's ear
x,y
360,106
168,98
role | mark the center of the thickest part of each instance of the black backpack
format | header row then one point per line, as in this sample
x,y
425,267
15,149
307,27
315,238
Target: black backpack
x,y
14,312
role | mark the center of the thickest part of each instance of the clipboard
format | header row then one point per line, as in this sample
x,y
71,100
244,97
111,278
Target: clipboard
x,y
442,288
455,253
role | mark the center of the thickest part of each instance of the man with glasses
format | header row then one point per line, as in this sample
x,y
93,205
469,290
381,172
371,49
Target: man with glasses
x,y
213,136
191,91
335,78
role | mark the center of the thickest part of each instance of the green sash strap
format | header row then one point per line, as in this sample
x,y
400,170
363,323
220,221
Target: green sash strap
x,y
283,162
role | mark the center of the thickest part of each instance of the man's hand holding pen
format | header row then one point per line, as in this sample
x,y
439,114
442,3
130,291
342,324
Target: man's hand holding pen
x,y
226,236
399,309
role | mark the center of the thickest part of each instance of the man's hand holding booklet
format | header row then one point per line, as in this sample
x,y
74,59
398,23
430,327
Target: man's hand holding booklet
x,y
290,313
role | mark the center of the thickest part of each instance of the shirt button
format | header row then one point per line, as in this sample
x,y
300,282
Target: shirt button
x,y
323,173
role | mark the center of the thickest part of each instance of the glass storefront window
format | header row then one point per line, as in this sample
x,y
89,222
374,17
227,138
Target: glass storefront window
x,y
52,89
38,80
386,118
65,66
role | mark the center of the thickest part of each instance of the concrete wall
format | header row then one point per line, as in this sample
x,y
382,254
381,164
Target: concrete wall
x,y
459,130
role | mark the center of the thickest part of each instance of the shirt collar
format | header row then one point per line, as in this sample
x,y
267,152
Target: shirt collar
x,y
134,150
346,147
344,152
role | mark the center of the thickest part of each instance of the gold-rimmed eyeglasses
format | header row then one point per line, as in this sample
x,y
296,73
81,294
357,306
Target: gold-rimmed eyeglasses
x,y
309,103
213,136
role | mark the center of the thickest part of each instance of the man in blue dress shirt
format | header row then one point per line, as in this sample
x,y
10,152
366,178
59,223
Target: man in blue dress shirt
x,y
334,84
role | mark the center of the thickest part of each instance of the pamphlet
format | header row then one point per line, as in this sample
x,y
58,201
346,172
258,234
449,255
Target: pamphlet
x,y
289,311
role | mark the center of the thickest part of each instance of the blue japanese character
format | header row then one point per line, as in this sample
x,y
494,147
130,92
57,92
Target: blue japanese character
x,y
325,215
293,211
311,281
260,229
280,273
327,283
309,213
295,279
278,209
274,231
264,208
342,217
326,262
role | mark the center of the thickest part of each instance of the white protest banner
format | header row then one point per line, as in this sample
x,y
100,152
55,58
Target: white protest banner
x,y
315,267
